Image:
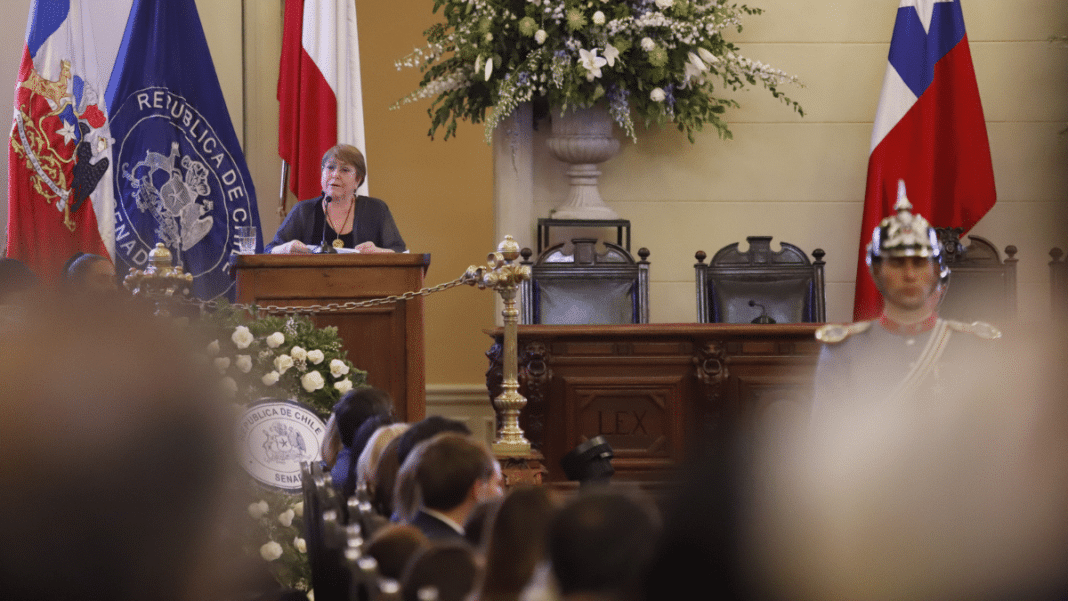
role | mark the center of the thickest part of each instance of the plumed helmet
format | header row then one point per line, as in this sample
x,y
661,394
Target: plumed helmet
x,y
906,234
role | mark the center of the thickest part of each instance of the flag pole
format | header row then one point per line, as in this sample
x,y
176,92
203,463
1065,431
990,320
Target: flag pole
x,y
282,190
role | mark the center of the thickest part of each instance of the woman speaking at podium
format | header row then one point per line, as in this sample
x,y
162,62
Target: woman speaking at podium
x,y
339,218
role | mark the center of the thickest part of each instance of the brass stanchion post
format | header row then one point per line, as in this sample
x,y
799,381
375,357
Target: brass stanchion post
x,y
503,274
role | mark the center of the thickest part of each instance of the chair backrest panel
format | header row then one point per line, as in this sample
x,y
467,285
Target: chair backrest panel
x,y
586,287
739,287
981,285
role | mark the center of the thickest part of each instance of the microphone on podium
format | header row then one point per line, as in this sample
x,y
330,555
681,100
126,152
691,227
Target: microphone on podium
x,y
324,248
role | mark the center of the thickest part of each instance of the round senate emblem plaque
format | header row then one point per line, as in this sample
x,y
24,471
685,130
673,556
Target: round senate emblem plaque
x,y
274,437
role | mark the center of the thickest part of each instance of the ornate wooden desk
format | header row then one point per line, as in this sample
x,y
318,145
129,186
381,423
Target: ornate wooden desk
x,y
653,389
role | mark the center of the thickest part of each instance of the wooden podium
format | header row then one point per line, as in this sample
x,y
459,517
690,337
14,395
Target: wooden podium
x,y
386,341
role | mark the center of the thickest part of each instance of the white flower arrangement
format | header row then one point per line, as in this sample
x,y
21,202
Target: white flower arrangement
x,y
280,357
495,54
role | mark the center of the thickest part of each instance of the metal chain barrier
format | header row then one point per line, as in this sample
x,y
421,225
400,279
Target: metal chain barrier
x,y
467,278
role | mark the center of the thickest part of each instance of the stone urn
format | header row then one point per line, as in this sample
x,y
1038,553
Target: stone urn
x,y
583,138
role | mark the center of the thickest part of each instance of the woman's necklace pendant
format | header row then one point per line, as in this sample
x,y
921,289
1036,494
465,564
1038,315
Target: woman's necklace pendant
x,y
338,243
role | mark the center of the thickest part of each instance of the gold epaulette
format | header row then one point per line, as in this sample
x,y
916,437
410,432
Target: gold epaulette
x,y
834,333
979,328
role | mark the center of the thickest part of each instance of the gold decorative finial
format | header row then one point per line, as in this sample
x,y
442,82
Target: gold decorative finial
x,y
160,278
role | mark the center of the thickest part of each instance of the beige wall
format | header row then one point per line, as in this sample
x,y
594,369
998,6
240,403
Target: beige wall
x,y
798,179
802,179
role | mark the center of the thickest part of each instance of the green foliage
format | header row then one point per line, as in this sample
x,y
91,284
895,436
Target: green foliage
x,y
658,62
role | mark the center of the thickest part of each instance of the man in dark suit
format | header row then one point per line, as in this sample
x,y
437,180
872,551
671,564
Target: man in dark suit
x,y
452,474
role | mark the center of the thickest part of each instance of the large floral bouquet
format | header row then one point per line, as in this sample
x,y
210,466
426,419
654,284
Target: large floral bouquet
x,y
278,357
281,357
661,60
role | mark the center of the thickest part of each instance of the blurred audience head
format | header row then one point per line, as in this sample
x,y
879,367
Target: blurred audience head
x,y
426,429
367,464
477,525
515,543
393,547
17,282
113,457
449,568
350,412
384,484
601,544
359,442
453,472
90,273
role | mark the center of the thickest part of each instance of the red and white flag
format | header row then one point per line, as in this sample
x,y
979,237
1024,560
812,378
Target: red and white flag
x,y
318,88
929,131
60,200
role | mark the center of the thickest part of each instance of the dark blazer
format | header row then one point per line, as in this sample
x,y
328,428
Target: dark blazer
x,y
373,222
435,529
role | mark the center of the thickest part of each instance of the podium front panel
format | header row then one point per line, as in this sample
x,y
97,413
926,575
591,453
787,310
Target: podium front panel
x,y
387,340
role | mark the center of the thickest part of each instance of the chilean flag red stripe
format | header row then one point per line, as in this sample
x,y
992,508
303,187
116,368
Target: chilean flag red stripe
x,y
318,87
929,131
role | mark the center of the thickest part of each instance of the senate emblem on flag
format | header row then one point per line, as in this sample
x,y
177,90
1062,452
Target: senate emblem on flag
x,y
60,133
175,203
177,183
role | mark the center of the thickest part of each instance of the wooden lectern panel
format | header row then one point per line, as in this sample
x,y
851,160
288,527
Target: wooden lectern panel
x,y
386,340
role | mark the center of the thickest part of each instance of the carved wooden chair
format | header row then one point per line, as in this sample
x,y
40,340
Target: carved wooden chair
x,y
585,286
760,285
323,532
981,285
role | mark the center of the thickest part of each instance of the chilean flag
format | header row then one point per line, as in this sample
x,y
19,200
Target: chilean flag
x,y
929,131
59,157
318,88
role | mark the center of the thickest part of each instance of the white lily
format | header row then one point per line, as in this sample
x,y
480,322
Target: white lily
x,y
592,63
611,53
696,62
707,56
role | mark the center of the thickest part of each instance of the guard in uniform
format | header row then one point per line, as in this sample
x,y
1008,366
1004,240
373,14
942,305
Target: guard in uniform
x,y
909,352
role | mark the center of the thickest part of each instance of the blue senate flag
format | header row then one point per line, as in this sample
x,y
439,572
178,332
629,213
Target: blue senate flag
x,y
179,173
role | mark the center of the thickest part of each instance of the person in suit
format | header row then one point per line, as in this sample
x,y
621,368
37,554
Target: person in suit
x,y
601,546
452,474
339,216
